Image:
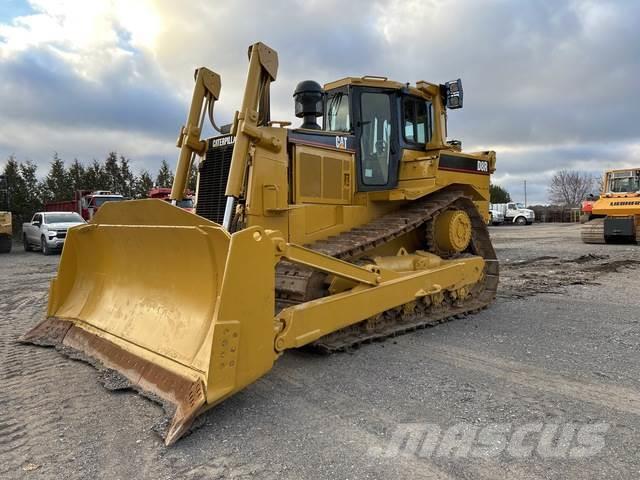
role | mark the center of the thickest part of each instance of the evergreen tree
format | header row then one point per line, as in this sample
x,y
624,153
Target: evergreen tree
x,y
32,193
143,184
113,172
165,175
95,177
15,186
128,180
498,194
56,186
77,176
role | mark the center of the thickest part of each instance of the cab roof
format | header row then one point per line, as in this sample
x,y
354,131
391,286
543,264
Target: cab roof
x,y
421,87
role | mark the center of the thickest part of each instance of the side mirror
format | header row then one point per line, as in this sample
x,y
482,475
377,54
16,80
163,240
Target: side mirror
x,y
454,94
36,224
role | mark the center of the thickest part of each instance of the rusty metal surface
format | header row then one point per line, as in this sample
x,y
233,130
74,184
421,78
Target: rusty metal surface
x,y
181,397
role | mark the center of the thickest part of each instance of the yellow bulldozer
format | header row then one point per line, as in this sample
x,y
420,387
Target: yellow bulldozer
x,y
363,223
5,217
615,216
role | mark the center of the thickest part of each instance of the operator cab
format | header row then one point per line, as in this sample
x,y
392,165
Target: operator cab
x,y
376,119
623,181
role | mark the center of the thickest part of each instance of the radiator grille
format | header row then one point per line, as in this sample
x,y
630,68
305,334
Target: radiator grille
x,y
214,171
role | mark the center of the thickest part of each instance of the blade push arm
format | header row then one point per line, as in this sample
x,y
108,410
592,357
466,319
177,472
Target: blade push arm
x,y
377,289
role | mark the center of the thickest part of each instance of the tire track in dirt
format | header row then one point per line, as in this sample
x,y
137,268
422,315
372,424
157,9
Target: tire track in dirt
x,y
55,415
315,396
605,395
34,383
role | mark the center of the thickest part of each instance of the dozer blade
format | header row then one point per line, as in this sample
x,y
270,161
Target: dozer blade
x,y
169,300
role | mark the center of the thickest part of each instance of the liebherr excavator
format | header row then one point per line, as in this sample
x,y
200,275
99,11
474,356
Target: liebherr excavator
x,y
331,235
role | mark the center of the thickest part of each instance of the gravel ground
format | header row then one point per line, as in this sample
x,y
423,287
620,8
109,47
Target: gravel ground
x,y
554,360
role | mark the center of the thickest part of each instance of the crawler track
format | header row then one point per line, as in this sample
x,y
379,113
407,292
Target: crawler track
x,y
296,284
593,231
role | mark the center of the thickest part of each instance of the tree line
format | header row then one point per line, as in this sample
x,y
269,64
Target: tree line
x,y
28,193
567,188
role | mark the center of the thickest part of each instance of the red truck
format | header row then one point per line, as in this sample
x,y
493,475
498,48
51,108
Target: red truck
x,y
85,202
164,193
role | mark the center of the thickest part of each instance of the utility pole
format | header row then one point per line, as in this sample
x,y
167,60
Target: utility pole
x,y
525,194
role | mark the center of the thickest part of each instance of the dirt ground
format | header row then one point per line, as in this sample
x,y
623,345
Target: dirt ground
x,y
560,347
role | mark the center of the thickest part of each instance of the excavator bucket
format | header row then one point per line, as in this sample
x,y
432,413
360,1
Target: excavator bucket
x,y
161,296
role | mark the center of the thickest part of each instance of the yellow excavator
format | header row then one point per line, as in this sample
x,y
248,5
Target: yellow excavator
x,y
361,224
615,216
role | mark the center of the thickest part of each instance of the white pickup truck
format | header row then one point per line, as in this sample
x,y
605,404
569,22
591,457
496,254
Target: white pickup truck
x,y
47,230
514,212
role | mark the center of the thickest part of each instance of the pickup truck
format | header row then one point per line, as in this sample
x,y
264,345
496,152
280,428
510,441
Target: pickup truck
x,y
47,230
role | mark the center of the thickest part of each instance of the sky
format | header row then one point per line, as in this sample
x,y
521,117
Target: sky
x,y
549,84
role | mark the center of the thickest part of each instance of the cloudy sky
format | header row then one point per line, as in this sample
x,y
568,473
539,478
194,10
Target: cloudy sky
x,y
549,84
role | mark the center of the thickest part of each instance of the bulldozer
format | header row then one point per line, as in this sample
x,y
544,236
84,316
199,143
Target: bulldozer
x,y
615,215
6,225
361,224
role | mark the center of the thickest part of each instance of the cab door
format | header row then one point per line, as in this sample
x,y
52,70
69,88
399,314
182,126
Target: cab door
x,y
375,126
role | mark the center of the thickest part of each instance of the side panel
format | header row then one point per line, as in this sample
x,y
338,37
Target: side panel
x,y
268,186
617,206
322,176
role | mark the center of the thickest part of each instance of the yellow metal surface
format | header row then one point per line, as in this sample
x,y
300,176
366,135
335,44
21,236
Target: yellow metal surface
x,y
124,292
409,262
323,175
453,231
263,67
308,322
5,232
168,289
617,206
5,223
206,90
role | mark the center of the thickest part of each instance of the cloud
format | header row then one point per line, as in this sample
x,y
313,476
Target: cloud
x,y
548,84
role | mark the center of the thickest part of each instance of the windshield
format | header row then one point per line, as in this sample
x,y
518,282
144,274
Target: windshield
x,y
338,113
624,182
62,218
520,205
97,201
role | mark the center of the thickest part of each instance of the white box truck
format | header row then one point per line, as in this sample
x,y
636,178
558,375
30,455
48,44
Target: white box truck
x,y
514,213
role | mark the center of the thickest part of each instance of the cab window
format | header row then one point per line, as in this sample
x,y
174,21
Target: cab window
x,y
375,138
416,124
338,112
